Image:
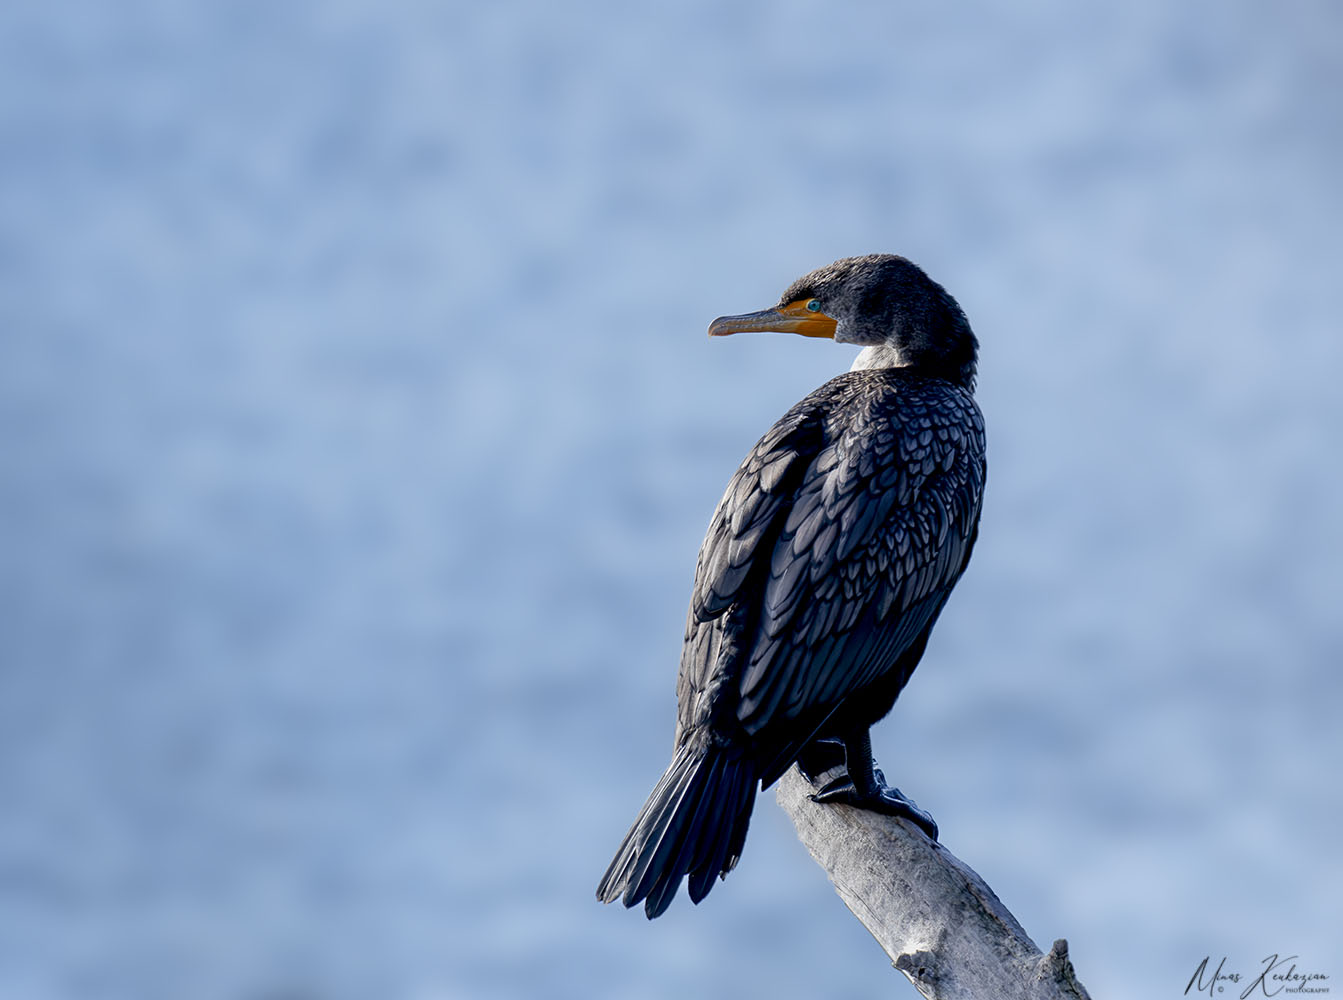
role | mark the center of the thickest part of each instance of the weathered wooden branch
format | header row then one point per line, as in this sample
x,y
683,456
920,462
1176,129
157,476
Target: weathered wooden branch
x,y
941,924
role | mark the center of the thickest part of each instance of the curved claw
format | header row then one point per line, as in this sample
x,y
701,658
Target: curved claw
x,y
837,789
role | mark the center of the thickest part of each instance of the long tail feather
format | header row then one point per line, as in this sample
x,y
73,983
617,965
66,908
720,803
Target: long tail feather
x,y
694,823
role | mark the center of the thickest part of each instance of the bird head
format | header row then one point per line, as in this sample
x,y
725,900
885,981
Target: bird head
x,y
880,301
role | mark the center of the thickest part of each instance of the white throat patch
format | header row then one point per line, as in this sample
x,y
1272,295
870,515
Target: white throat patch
x,y
880,356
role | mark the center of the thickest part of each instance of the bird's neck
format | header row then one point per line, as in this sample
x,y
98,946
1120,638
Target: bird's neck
x,y
881,356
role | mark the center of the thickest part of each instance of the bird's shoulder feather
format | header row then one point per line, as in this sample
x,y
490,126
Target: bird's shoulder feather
x,y
834,545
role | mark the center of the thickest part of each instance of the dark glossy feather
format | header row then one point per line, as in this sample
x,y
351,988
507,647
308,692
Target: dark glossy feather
x,y
863,503
693,823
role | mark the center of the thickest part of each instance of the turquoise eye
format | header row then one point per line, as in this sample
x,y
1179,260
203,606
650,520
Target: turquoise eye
x,y
814,306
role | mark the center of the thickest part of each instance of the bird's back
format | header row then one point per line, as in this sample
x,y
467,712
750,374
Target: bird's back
x,y
833,549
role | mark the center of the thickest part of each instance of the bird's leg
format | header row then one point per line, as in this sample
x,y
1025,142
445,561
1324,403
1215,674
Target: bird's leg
x,y
864,786
820,757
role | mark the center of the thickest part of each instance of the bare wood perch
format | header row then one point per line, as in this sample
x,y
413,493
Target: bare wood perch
x,y
942,926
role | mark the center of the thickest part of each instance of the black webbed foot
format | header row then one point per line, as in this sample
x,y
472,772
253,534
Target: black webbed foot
x,y
883,799
860,783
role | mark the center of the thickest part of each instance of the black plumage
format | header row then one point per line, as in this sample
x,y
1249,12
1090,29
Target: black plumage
x,y
825,566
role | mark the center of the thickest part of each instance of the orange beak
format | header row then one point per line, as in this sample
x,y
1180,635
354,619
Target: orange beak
x,y
795,317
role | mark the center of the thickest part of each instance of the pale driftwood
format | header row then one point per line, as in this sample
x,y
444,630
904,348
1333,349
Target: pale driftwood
x,y
942,926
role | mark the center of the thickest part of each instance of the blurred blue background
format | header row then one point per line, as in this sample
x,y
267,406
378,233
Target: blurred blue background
x,y
358,429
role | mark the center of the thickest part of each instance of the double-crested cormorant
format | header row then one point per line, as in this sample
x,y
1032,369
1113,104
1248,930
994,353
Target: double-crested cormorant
x,y
824,568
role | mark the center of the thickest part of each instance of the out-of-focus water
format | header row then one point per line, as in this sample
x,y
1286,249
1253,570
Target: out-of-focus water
x,y
358,429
